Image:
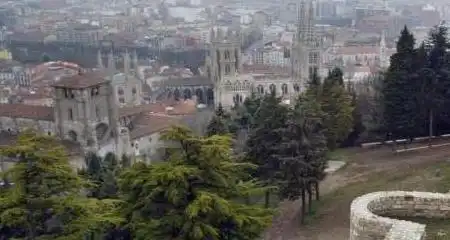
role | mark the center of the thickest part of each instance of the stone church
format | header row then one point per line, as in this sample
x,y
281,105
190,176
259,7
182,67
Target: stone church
x,y
100,111
229,82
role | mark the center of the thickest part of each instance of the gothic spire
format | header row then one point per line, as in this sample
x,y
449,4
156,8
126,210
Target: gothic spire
x,y
126,62
384,62
135,62
99,59
305,21
111,62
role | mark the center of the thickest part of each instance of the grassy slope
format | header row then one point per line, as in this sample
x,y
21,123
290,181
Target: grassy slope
x,y
408,179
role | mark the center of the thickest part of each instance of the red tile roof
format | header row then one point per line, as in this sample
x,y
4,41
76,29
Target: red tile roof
x,y
26,111
134,110
82,80
148,124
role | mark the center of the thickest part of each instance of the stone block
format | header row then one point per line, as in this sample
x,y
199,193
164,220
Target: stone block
x,y
367,224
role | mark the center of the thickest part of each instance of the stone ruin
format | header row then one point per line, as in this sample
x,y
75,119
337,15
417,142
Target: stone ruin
x,y
367,211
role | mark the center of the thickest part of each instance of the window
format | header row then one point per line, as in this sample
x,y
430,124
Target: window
x,y
260,89
273,89
97,112
227,54
133,91
120,91
227,69
95,91
122,100
284,89
66,92
70,114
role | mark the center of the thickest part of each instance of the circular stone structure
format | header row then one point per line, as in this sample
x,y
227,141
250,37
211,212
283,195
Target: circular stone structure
x,y
368,221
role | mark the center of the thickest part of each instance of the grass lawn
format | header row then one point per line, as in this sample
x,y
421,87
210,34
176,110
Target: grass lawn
x,y
334,206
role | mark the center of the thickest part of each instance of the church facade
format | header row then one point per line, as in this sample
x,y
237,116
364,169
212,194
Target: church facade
x,y
228,81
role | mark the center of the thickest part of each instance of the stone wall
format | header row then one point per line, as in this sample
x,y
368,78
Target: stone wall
x,y
366,222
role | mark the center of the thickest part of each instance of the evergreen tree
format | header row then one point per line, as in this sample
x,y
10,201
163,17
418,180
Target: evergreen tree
x,y
358,126
219,124
102,173
45,200
264,138
435,78
195,194
245,114
336,104
400,90
302,152
315,84
125,162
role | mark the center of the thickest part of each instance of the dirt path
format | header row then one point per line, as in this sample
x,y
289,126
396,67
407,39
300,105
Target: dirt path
x,y
361,164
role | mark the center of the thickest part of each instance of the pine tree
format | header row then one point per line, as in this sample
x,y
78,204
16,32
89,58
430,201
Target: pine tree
x,y
45,200
219,124
102,173
125,162
358,126
302,152
336,104
315,85
195,194
435,78
263,139
400,91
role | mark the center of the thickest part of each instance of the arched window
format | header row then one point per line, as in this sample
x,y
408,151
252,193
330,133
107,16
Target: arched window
x,y
218,56
273,89
227,69
260,89
227,54
296,87
284,89
237,99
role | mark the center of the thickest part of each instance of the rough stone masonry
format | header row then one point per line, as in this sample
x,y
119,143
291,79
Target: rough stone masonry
x,y
370,214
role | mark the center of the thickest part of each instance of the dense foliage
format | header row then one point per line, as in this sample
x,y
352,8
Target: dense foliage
x,y
415,88
45,200
196,194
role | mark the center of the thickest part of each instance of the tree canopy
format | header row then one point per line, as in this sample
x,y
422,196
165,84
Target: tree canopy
x,y
45,200
196,194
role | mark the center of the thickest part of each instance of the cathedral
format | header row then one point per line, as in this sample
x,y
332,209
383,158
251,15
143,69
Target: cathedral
x,y
230,81
102,110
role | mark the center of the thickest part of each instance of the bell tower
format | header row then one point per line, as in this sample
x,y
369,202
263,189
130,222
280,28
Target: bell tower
x,y
223,60
306,49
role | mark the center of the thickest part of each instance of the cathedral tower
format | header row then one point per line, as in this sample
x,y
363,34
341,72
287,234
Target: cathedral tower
x,y
383,58
111,62
99,59
223,61
126,62
306,49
